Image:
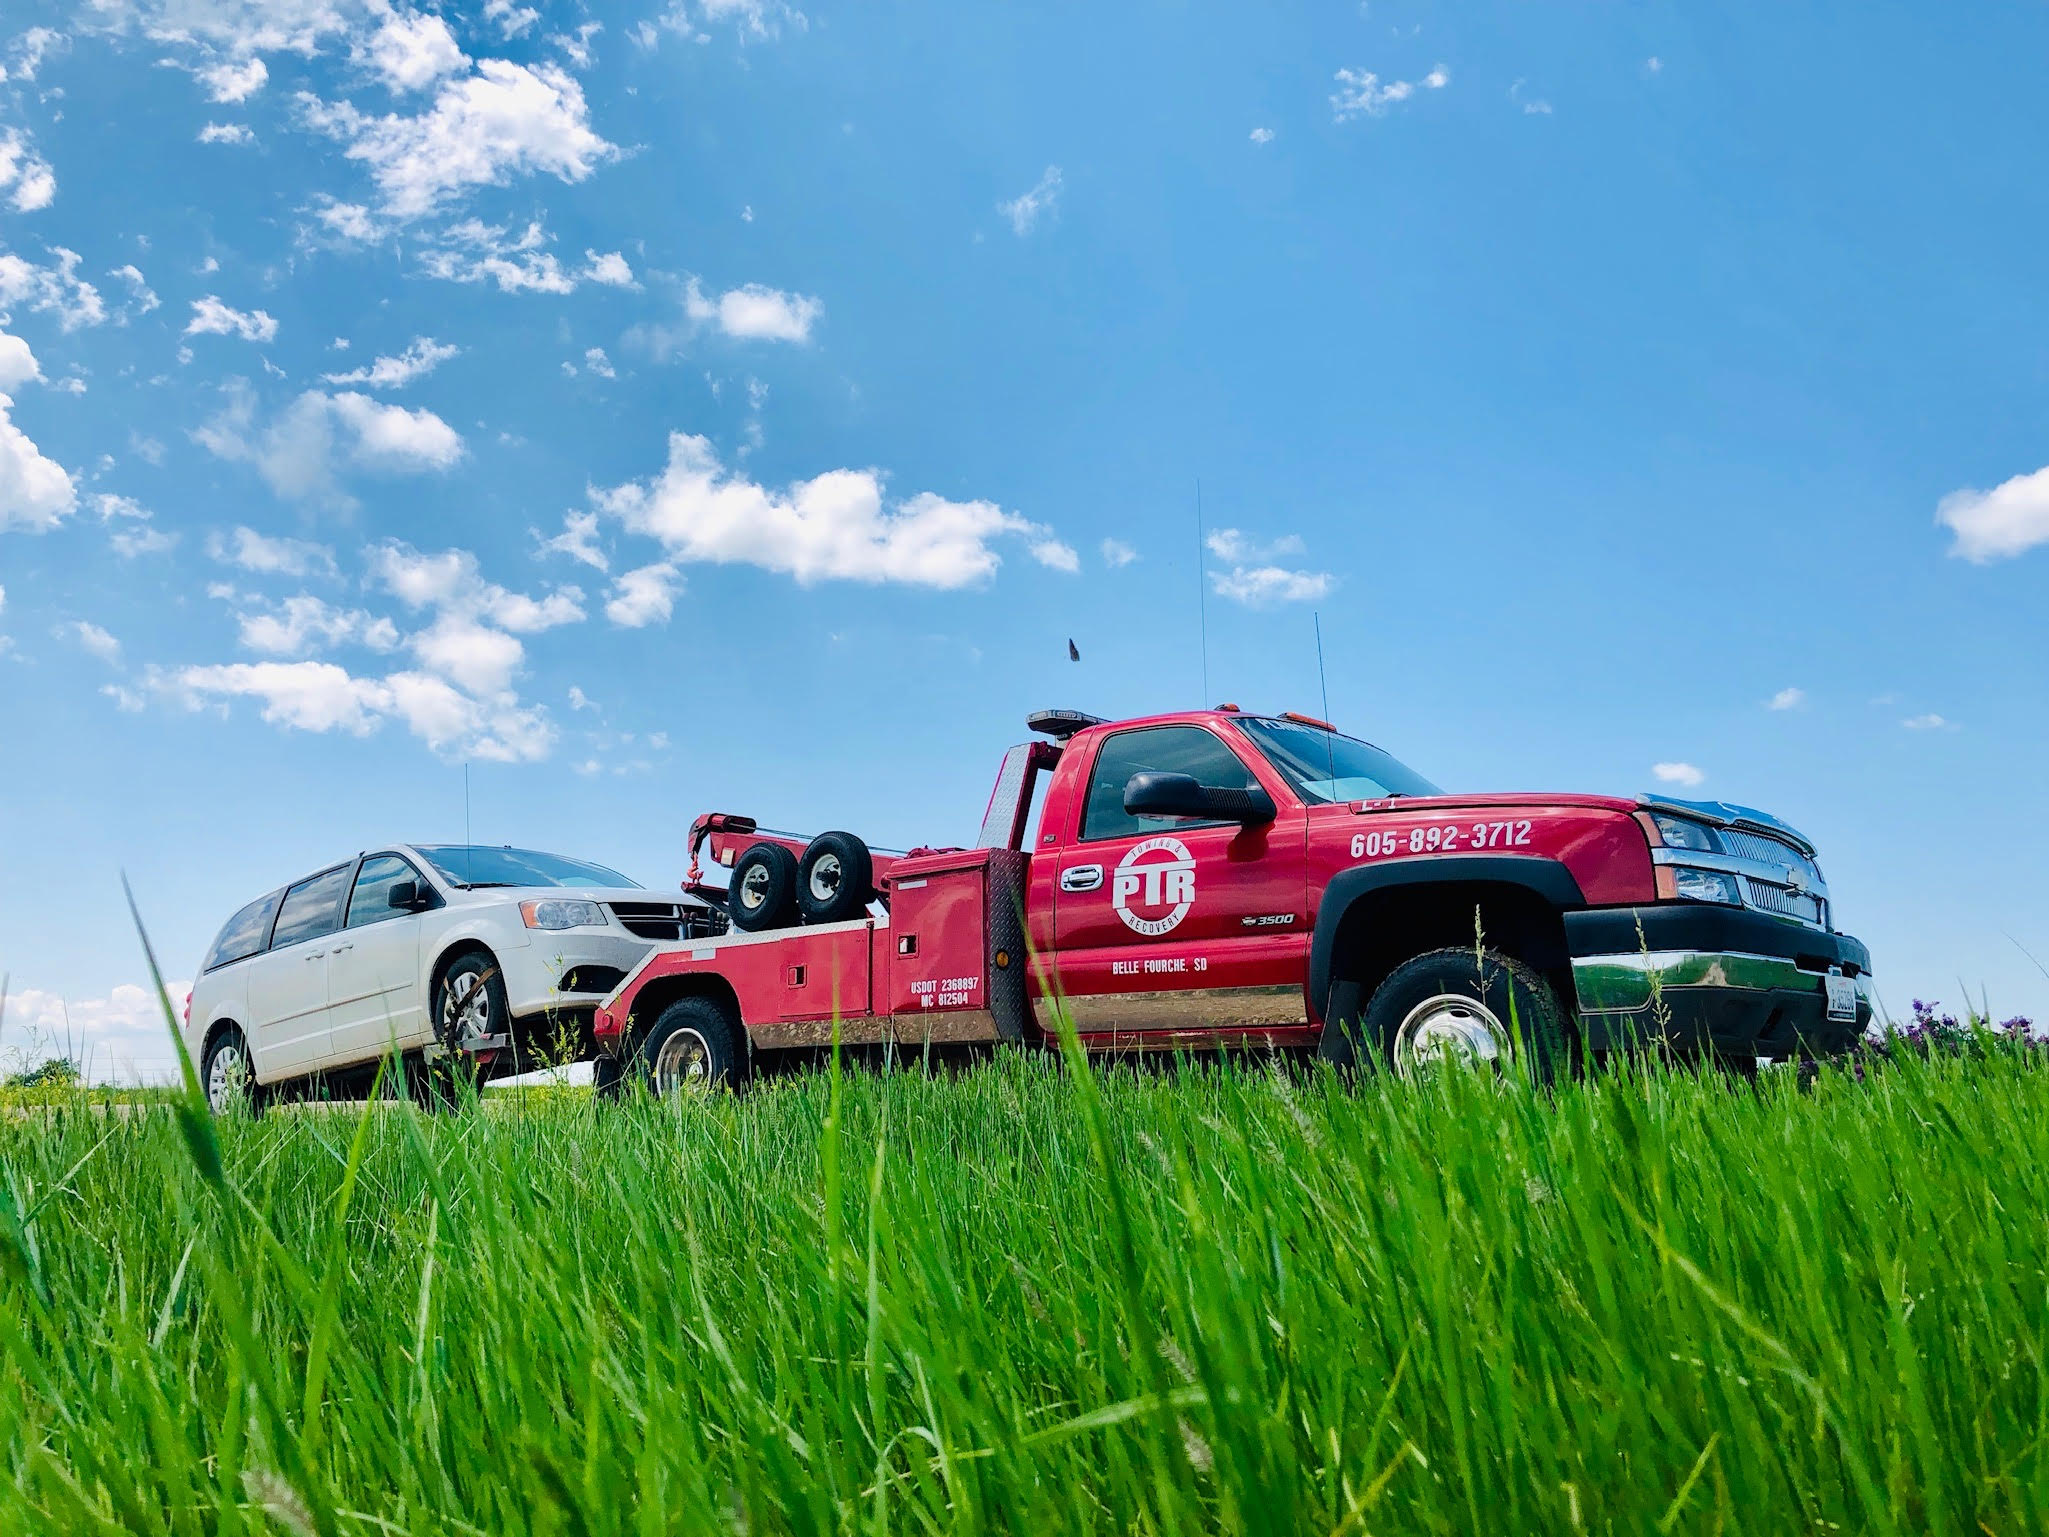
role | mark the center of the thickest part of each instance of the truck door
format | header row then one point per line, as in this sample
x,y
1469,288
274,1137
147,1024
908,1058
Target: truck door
x,y
1172,929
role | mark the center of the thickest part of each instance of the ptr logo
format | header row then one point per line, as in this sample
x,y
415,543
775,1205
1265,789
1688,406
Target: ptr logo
x,y
1153,884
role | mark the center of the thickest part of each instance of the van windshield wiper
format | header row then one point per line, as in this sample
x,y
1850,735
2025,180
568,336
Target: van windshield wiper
x,y
480,885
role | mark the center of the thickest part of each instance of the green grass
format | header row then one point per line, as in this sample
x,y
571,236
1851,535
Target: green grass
x,y
1018,1300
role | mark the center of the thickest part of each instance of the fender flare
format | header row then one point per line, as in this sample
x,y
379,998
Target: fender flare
x,y
1545,878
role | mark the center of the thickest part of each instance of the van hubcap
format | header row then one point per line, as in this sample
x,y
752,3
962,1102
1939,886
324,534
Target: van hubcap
x,y
467,1011
227,1080
1449,1029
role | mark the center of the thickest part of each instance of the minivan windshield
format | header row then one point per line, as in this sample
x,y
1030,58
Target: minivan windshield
x,y
1324,766
463,864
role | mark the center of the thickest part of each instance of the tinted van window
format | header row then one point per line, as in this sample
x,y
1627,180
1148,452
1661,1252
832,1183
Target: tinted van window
x,y
242,935
1158,749
370,902
311,908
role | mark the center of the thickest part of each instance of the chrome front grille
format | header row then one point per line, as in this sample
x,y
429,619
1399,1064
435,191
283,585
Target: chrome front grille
x,y
1743,844
1766,897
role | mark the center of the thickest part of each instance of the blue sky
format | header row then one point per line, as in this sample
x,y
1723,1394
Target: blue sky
x,y
732,405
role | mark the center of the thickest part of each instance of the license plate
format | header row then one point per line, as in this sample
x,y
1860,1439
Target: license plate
x,y
1842,997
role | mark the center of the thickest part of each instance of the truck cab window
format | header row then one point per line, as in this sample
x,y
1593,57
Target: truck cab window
x,y
1186,750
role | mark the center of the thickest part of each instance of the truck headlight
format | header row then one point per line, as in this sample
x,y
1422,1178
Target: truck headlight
x,y
561,913
1691,885
1685,833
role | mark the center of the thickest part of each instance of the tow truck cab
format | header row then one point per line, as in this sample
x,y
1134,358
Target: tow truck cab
x,y
1214,878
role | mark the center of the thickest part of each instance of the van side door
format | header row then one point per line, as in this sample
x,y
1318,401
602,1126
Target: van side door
x,y
288,1032
373,966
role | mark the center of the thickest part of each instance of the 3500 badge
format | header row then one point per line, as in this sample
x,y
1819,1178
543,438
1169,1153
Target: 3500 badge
x,y
1441,836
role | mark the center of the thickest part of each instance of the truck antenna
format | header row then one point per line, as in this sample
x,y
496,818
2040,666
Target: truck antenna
x,y
1330,744
1201,596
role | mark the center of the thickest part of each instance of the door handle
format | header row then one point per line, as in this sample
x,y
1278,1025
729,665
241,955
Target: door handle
x,y
337,950
1081,877
314,955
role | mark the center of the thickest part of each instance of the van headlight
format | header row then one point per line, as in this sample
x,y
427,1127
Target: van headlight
x,y
562,913
1691,885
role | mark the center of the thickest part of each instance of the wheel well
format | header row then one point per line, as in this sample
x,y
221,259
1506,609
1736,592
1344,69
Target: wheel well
x,y
1384,928
663,991
214,1032
449,957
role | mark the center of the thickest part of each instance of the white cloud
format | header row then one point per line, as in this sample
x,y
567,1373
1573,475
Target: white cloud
x,y
1787,699
412,52
259,552
226,133
475,252
513,20
1262,136
643,597
18,365
832,527
1117,554
391,373
25,177
579,700
1253,578
211,317
754,312
595,362
230,81
2010,519
121,1038
348,221
36,492
304,622
93,639
1056,554
145,297
578,540
1256,586
57,290
504,119
1653,64
453,581
1026,209
1930,722
28,50
307,696
300,452
141,540
475,657
1684,775
1361,94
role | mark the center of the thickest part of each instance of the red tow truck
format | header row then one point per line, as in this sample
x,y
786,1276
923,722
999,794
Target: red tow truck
x,y
1216,879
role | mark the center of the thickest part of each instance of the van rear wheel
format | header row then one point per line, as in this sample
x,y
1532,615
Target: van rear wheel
x,y
229,1077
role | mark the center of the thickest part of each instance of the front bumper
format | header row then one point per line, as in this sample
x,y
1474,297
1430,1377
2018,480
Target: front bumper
x,y
535,975
1694,977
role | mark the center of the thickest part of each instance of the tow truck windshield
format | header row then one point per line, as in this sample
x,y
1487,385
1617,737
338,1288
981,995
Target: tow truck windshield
x,y
1325,767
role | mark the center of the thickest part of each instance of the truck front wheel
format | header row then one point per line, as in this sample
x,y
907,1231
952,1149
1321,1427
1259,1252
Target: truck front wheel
x,y
1477,1008
693,1048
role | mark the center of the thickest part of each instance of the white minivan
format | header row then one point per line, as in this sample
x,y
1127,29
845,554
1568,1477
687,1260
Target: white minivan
x,y
423,949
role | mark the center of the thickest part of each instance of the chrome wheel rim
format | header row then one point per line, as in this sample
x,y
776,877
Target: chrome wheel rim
x,y
753,892
683,1065
826,875
467,1009
1449,1029
227,1080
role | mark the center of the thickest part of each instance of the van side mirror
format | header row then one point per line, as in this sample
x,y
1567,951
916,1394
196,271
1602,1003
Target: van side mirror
x,y
405,896
1181,795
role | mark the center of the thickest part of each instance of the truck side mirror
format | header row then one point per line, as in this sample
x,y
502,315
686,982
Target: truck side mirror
x,y
1181,795
404,896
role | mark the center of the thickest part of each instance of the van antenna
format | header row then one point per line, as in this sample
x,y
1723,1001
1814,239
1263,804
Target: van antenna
x,y
1330,734
468,847
1201,595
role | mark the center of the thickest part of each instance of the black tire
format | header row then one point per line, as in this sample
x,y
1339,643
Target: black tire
x,y
237,1092
456,1019
608,1076
763,891
445,1084
835,879
693,1047
1475,1004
